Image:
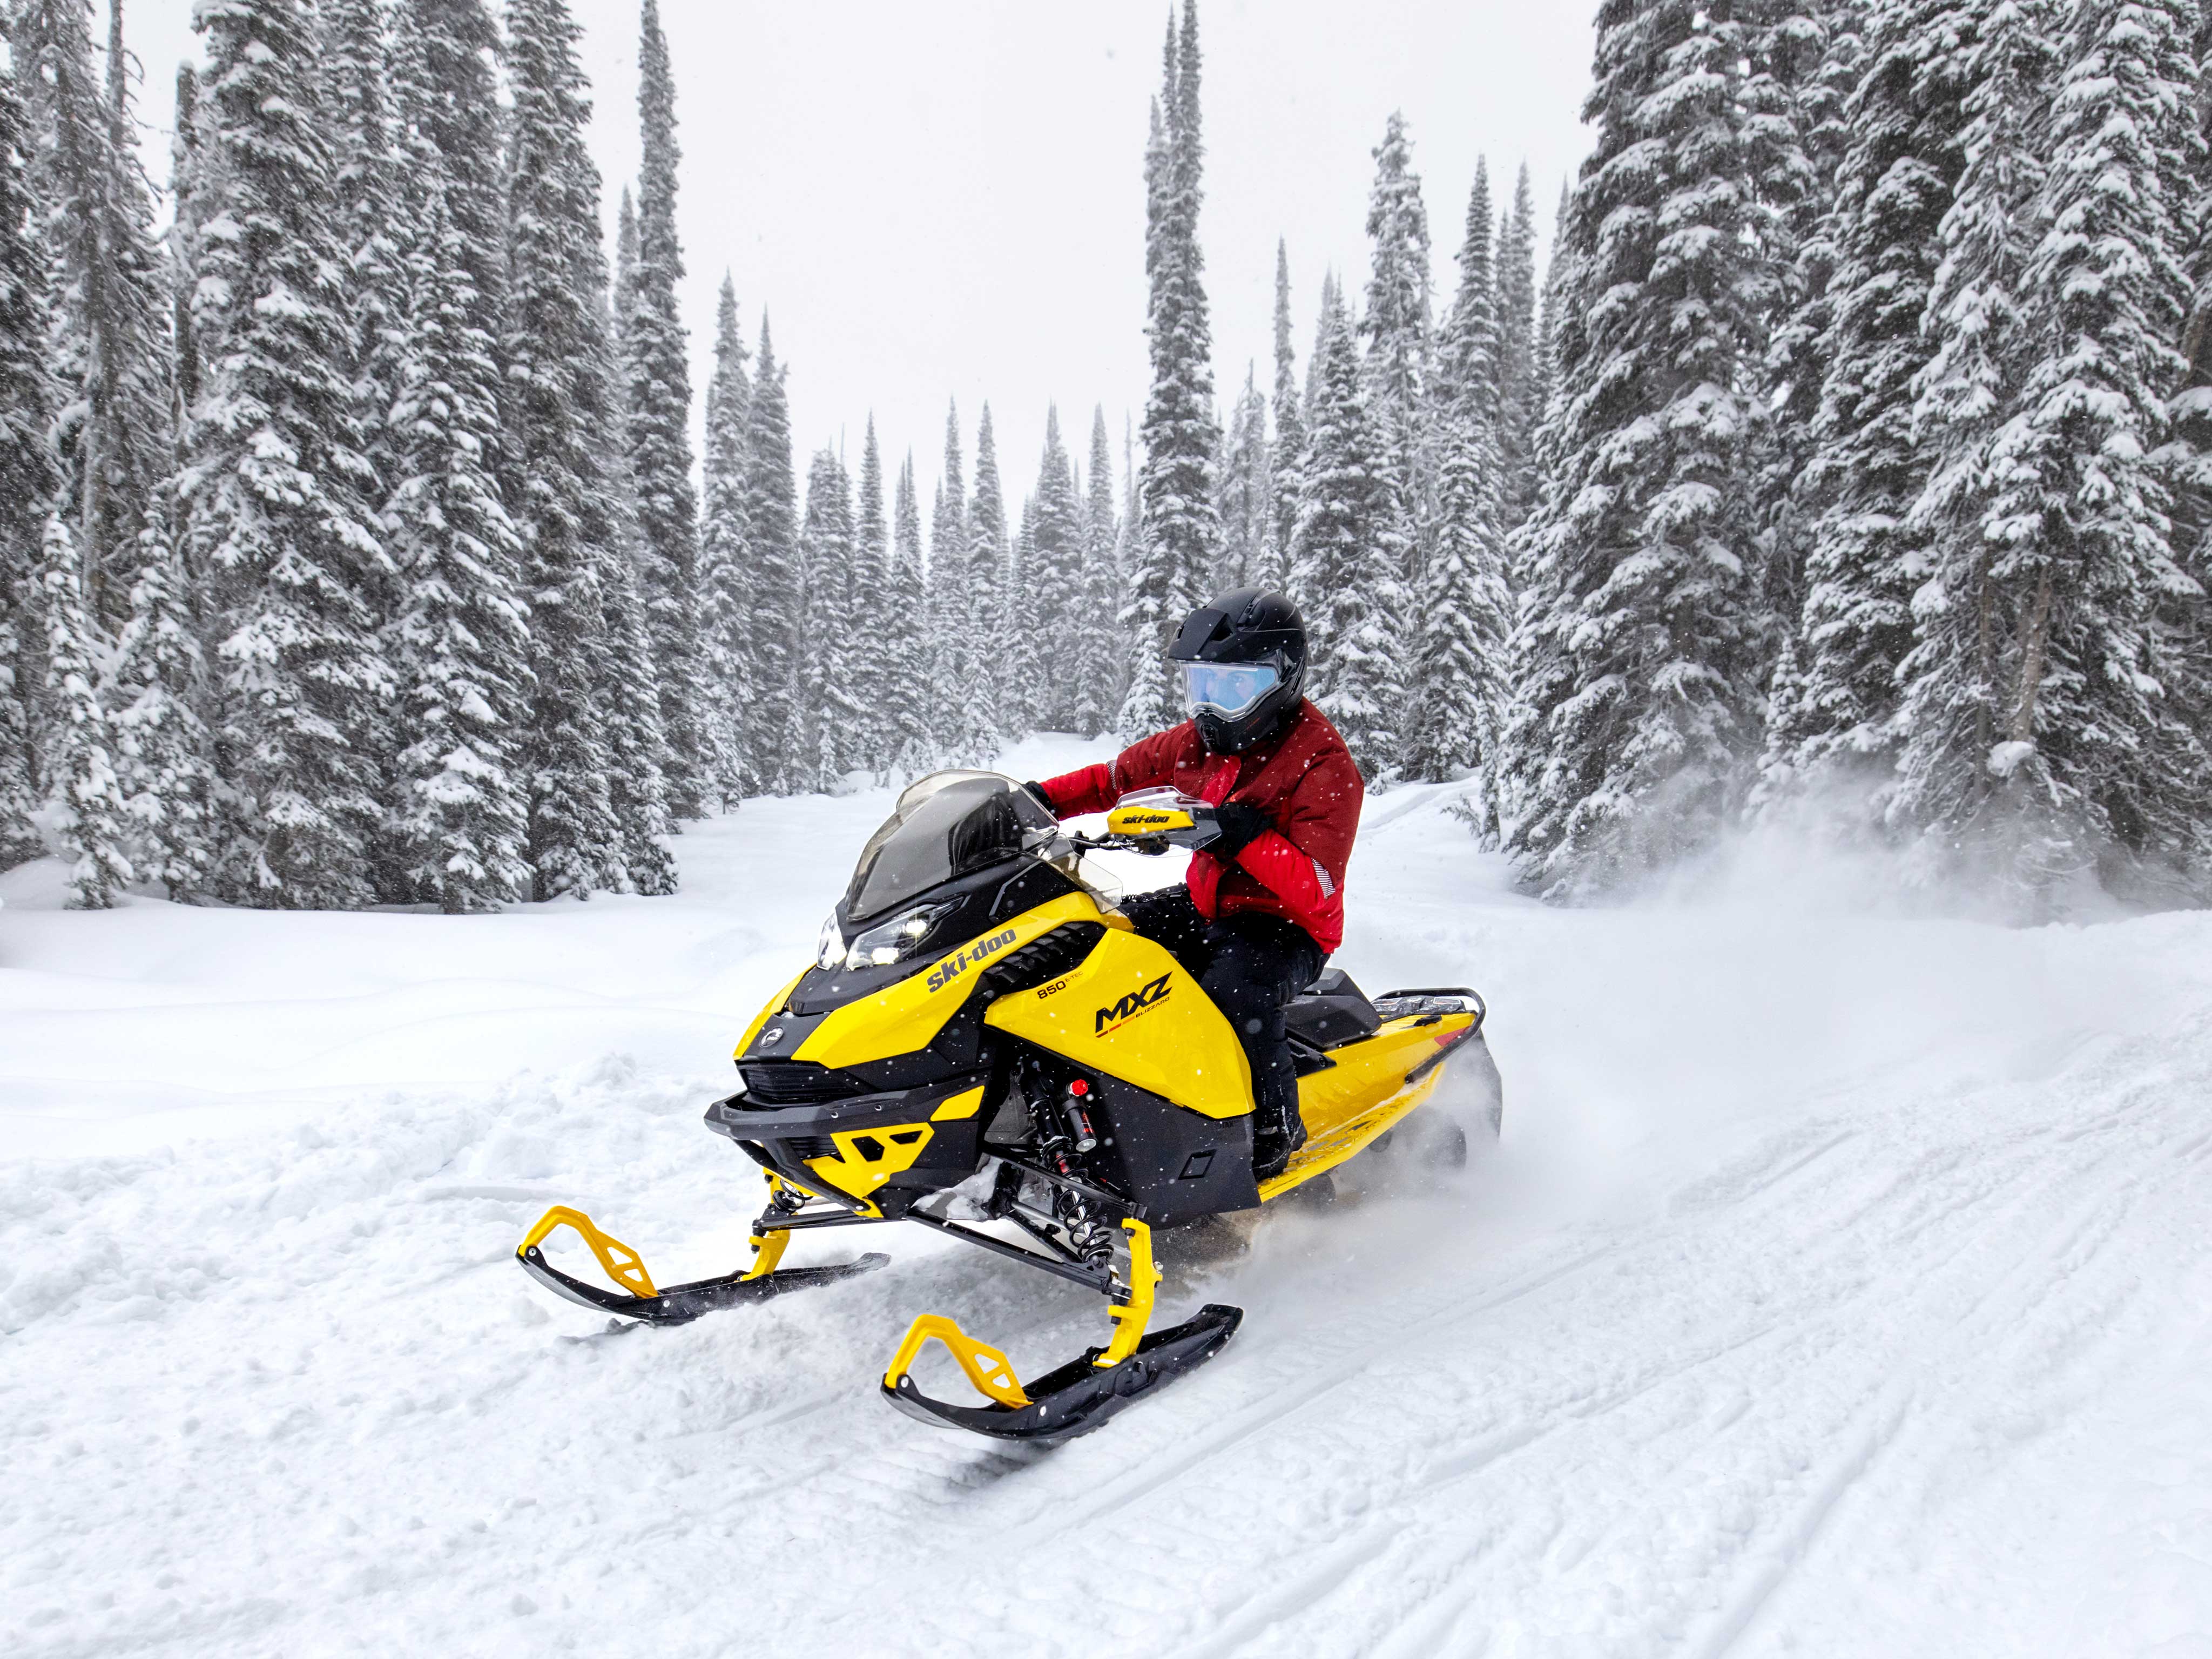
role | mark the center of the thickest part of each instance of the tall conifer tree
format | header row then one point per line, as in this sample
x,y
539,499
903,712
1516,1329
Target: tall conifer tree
x,y
89,801
660,400
1455,722
109,344
26,402
726,651
276,481
1642,644
1290,437
554,346
1178,548
907,645
773,716
162,751
1344,494
1520,393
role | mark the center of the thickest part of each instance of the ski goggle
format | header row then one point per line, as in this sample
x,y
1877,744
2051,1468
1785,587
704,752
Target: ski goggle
x,y
1229,688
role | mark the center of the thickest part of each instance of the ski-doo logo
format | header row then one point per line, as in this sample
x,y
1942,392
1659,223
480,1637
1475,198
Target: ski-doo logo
x,y
952,967
1141,820
1132,1005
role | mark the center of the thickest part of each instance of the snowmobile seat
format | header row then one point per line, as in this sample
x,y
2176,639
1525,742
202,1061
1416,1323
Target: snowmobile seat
x,y
1333,1012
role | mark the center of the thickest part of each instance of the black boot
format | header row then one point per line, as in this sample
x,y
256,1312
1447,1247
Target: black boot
x,y
1274,1142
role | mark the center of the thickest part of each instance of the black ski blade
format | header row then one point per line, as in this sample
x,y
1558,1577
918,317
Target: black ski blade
x,y
680,1304
1078,1396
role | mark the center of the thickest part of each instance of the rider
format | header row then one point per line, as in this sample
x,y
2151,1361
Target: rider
x,y
1263,905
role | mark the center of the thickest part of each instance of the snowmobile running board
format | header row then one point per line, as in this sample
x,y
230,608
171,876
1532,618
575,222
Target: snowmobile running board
x,y
679,1304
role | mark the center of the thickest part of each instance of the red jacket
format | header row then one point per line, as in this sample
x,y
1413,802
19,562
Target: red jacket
x,y
1305,781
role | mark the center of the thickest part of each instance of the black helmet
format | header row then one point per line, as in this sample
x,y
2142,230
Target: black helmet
x,y
1227,649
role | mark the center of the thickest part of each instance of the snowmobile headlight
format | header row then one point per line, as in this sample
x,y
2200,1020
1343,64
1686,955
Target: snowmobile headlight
x,y
893,940
829,949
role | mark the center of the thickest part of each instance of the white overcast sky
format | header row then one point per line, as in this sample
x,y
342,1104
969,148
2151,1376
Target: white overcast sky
x,y
945,199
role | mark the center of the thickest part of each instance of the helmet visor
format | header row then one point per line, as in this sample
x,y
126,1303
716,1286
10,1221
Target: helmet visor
x,y
1229,689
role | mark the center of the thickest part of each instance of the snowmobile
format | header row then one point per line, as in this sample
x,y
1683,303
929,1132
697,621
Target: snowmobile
x,y
983,1046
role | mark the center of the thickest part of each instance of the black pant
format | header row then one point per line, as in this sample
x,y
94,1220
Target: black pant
x,y
1252,966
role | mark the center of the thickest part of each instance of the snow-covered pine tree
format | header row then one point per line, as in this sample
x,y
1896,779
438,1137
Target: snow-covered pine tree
x,y
1465,610
1023,689
462,118
462,639
905,642
275,479
1834,712
629,690
2090,760
1178,546
656,351
1642,646
163,753
1054,580
1980,327
988,691
26,406
624,665
868,671
108,314
376,207
1397,371
555,449
1520,400
1343,496
1098,644
187,195
370,210
953,662
1290,437
773,658
88,804
1246,490
724,585
1804,70
836,717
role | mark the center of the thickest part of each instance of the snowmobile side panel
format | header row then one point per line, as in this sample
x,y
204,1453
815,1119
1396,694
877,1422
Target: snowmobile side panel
x,y
1178,1164
1373,1086
1130,1009
905,1018
1082,1395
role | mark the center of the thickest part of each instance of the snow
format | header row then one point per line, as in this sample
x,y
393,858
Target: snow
x,y
1841,1285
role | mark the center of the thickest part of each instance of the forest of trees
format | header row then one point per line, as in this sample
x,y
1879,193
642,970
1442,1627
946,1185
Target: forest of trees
x,y
1849,468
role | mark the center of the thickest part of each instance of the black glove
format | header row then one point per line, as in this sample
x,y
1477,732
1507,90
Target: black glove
x,y
1043,800
1241,825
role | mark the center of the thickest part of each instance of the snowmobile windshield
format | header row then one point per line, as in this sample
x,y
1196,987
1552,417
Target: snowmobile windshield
x,y
1229,688
948,825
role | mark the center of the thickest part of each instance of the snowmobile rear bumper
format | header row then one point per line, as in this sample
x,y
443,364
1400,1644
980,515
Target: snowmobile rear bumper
x,y
1077,1397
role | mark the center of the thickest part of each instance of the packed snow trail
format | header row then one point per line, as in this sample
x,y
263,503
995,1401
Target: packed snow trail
x,y
1840,1286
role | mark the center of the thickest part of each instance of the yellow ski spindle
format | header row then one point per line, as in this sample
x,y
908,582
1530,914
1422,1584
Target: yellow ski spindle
x,y
622,1264
991,1371
1132,1314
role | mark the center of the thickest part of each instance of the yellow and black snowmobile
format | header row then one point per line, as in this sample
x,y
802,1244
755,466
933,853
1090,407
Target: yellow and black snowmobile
x,y
984,1047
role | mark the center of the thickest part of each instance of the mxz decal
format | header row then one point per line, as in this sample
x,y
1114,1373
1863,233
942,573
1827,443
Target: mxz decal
x,y
1132,1005
952,967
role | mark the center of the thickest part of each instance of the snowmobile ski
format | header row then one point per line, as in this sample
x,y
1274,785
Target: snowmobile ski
x,y
679,1304
1081,1395
1072,1400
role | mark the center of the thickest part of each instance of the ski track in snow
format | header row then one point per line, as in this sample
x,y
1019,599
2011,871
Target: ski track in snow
x,y
1841,1285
